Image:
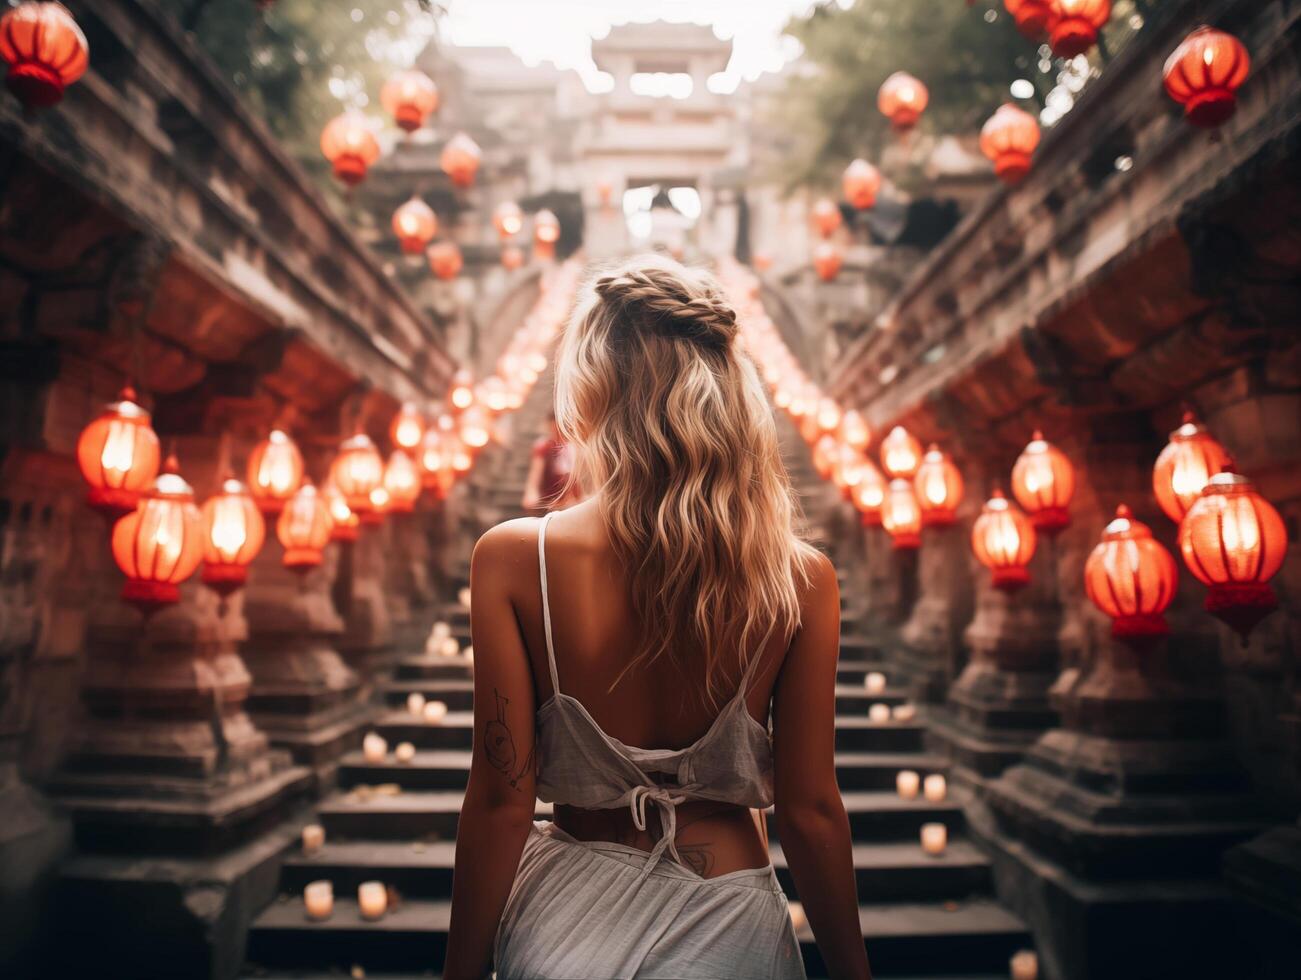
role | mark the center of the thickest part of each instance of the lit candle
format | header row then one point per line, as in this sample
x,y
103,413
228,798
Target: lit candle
x,y
934,838
405,752
313,838
435,711
450,647
463,597
798,919
1025,965
934,788
874,682
318,899
879,712
415,702
904,712
907,783
374,748
440,632
372,896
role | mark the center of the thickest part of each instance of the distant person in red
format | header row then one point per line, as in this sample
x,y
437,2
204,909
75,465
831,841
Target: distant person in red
x,y
551,484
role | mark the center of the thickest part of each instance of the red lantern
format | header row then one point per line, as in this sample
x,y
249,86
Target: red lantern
x,y
304,528
860,184
1204,73
901,516
1186,464
407,428
1003,540
1009,138
828,415
1043,481
546,227
233,532
462,394
474,429
349,144
826,261
378,507
902,99
445,260
508,219
901,454
846,469
869,494
825,453
512,258
460,159
1032,16
160,543
356,471
275,469
415,224
1075,25
402,481
826,216
1131,577
939,488
409,97
344,522
854,430
1234,541
45,50
118,455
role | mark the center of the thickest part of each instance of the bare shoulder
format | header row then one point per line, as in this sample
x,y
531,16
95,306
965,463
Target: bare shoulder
x,y
820,588
509,546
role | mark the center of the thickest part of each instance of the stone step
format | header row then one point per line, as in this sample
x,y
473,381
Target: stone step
x,y
412,936
430,769
877,770
409,816
423,666
458,695
900,871
882,815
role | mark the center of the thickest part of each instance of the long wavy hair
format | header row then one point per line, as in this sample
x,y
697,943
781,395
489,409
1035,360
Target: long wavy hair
x,y
672,429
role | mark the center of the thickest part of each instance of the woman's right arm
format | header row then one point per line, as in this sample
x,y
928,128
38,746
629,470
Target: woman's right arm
x,y
811,820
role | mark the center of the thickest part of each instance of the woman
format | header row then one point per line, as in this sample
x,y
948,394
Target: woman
x,y
675,609
550,484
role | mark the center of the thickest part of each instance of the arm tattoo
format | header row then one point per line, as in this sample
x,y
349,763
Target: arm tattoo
x,y
498,742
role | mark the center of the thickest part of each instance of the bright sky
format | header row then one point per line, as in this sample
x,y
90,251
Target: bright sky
x,y
561,30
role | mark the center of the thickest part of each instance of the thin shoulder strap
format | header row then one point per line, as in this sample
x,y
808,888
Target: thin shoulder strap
x,y
546,605
748,674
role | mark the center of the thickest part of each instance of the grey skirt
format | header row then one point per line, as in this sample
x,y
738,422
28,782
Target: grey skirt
x,y
583,909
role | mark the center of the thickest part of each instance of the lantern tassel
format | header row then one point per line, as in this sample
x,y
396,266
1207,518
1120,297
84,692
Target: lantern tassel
x,y
1241,605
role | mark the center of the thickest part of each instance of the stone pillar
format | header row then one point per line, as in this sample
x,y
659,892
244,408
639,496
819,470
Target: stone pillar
x,y
367,638
409,588
931,654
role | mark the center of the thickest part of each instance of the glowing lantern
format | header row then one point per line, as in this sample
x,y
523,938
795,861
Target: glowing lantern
x,y
826,216
462,395
869,494
1131,577
304,528
825,452
1009,138
402,481
1003,540
1204,73
939,488
415,224
378,507
828,415
433,457
860,184
462,460
160,543
349,144
1075,24
275,469
357,470
409,97
445,260
901,454
901,516
846,469
854,430
344,522
407,427
1032,16
233,532
512,257
45,50
826,261
1234,541
118,455
460,159
474,428
1186,464
902,99
546,227
508,219
1043,482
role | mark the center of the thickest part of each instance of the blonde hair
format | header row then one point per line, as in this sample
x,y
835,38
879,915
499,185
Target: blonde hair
x,y
670,422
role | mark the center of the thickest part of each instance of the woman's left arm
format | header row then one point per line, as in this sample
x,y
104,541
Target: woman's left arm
x,y
499,802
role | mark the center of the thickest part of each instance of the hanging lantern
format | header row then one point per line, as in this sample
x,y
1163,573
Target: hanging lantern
x,y
474,428
349,144
828,415
508,219
854,430
1186,464
275,469
407,427
826,261
402,481
445,260
512,258
846,469
356,471
901,516
433,457
344,523
233,532
939,488
460,159
901,454
1131,577
45,51
160,543
1009,138
1234,541
304,528
902,99
409,97
826,216
1204,73
1075,24
415,224
546,227
1032,16
378,506
1043,482
860,184
869,495
118,455
825,451
462,395
1003,540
